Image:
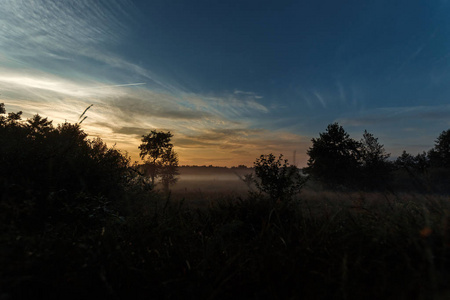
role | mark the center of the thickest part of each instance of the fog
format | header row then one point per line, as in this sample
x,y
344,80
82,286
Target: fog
x,y
202,178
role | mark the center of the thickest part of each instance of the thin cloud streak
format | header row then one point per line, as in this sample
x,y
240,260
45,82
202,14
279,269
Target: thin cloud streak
x,y
115,85
321,100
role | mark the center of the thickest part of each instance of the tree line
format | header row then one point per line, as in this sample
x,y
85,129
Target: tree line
x,y
336,159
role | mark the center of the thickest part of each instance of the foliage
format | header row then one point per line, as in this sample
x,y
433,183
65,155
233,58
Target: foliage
x,y
277,178
440,153
424,173
44,169
427,171
374,162
334,157
169,169
162,161
413,164
372,152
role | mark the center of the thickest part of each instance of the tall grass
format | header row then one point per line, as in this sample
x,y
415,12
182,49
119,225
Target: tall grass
x,y
323,245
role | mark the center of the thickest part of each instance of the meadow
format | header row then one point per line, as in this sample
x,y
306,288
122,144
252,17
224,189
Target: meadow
x,y
322,245
212,239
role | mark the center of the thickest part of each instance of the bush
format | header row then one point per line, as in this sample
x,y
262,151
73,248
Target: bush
x,y
277,178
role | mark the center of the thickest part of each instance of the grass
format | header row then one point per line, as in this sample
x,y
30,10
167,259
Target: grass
x,y
322,245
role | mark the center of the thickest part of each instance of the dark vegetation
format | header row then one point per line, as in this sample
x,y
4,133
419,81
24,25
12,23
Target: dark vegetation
x,y
77,221
161,159
340,162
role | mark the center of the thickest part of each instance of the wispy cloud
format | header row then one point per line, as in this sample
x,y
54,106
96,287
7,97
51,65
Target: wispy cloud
x,y
341,92
236,105
389,115
56,27
115,85
321,99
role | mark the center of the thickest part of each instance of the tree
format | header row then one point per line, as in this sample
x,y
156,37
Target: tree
x,y
39,126
334,157
372,152
169,169
440,154
375,166
162,161
412,172
405,160
277,178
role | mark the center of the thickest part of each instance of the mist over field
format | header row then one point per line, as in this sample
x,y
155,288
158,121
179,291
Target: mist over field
x,y
206,178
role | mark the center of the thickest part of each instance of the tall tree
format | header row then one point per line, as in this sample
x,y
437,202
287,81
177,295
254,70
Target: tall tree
x,y
374,159
160,158
334,157
440,154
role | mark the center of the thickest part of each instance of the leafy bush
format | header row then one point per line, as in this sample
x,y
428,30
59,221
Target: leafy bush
x,y
277,178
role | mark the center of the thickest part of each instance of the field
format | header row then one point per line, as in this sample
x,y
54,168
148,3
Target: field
x,y
212,239
201,185
322,245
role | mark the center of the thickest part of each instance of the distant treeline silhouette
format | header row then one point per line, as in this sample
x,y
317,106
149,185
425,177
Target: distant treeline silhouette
x,y
336,160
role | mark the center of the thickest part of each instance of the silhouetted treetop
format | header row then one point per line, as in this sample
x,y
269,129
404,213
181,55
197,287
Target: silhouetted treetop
x,y
375,167
440,153
154,144
372,152
334,157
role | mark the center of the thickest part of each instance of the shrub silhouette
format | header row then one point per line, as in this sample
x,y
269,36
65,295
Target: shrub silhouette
x,y
277,178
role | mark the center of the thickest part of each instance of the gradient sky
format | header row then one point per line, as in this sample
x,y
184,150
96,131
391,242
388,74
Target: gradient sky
x,y
231,79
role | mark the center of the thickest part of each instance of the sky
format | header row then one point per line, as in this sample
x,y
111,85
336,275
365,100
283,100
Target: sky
x,y
231,79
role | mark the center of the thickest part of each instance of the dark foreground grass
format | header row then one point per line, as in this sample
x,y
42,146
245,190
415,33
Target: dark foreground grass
x,y
321,246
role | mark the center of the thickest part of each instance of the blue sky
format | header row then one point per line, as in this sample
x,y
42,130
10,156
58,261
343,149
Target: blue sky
x,y
232,79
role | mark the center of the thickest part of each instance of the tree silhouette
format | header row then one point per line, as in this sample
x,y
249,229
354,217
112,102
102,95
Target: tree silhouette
x,y
161,159
440,154
375,166
169,169
334,157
